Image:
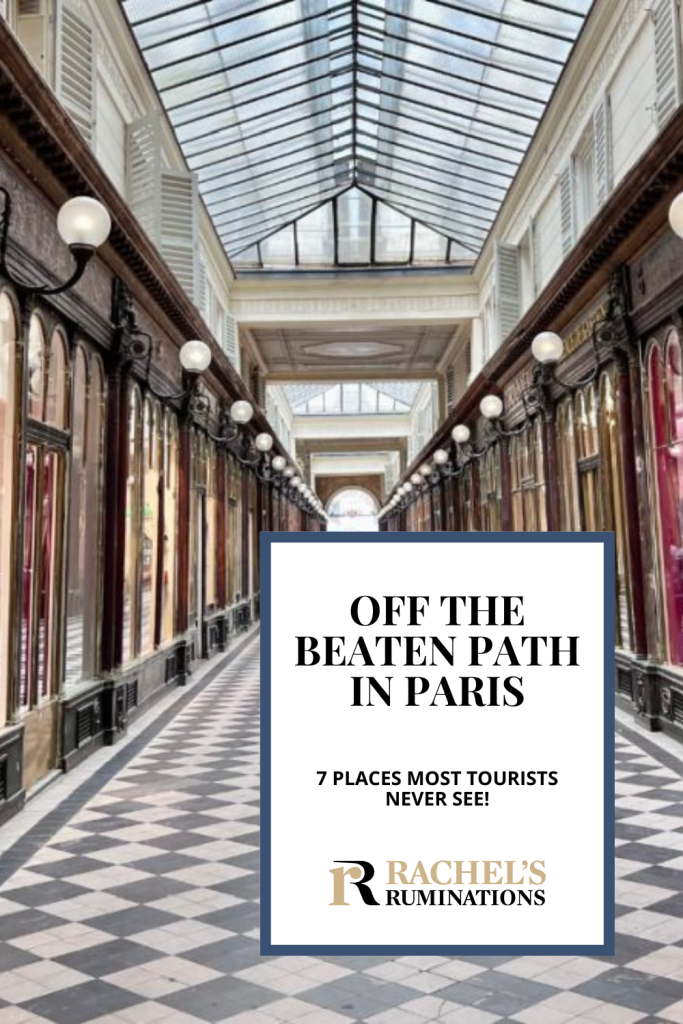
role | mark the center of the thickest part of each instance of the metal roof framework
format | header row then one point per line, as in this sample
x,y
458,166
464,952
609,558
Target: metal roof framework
x,y
410,115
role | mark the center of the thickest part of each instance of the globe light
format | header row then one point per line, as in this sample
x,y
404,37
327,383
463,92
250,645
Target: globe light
x,y
263,442
195,356
84,221
676,215
241,412
441,456
289,472
407,487
296,481
425,469
547,347
279,463
416,479
491,407
460,433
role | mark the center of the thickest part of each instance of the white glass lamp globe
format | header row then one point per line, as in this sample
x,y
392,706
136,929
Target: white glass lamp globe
x,y
263,442
241,412
279,463
491,406
84,221
289,472
547,347
407,487
676,215
416,479
441,456
296,480
195,356
461,433
425,469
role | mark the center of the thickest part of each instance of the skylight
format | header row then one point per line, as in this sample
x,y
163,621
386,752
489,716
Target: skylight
x,y
352,399
422,110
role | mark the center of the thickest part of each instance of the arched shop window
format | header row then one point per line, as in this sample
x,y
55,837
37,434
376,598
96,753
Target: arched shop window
x,y
170,470
198,455
490,490
83,602
568,489
133,530
8,440
466,495
234,526
149,542
666,427
211,527
615,512
43,516
527,477
588,452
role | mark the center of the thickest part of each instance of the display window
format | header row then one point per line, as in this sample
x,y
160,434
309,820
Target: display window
x,y
491,490
43,517
527,479
666,429
170,542
8,469
84,596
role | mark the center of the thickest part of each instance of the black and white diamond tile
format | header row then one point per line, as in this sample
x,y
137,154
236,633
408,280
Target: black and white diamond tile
x,y
142,905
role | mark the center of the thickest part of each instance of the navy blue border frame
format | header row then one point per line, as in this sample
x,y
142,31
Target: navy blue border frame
x,y
267,541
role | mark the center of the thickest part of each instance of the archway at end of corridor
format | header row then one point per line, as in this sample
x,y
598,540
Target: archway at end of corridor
x,y
353,509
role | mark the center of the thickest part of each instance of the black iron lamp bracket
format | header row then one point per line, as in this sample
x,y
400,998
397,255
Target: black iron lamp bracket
x,y
82,254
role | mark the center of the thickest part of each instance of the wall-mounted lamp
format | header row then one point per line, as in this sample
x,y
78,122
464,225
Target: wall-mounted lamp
x,y
84,225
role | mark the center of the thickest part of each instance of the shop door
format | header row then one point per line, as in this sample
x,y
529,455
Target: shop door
x,y
42,578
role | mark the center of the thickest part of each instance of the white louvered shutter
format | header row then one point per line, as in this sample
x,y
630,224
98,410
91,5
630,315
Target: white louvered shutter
x,y
31,29
450,388
165,202
143,171
567,209
508,305
180,227
202,302
230,340
602,143
536,261
76,69
667,59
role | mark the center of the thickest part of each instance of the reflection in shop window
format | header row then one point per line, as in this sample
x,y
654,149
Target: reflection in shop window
x,y
666,422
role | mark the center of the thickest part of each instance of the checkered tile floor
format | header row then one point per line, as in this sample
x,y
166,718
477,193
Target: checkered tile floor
x,y
142,906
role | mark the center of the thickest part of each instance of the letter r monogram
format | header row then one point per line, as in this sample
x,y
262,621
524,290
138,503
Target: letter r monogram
x,y
359,877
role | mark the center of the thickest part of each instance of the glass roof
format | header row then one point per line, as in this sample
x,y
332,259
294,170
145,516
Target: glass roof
x,y
352,399
427,106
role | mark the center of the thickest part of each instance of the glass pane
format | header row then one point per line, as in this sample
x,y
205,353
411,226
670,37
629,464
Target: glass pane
x,y
392,235
354,209
7,493
132,569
